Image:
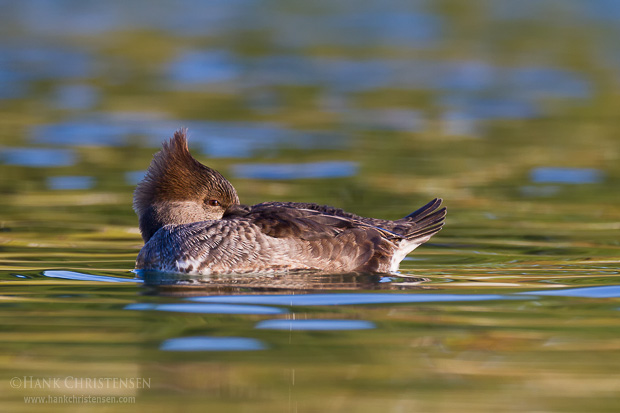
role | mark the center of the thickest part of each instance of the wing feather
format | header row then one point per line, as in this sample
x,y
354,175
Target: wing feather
x,y
268,238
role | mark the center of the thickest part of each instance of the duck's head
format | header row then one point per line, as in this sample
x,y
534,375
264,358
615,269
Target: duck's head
x,y
177,189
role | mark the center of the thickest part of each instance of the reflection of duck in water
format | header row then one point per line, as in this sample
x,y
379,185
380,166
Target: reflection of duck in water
x,y
192,222
294,282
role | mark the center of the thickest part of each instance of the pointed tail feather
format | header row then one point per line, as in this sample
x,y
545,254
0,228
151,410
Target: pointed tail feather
x,y
423,211
424,222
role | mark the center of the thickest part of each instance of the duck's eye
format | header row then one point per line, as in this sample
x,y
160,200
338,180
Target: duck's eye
x,y
213,202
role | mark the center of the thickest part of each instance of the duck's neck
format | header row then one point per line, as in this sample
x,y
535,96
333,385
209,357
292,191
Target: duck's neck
x,y
164,213
149,223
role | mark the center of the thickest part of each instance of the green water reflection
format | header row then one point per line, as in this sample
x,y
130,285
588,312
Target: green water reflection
x,y
507,110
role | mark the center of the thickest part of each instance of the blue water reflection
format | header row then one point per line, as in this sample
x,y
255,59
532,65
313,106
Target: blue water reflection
x,y
237,140
202,67
85,132
183,17
522,10
55,18
216,139
243,140
72,275
70,182
37,157
202,18
575,14
207,308
204,343
75,97
609,291
345,75
491,108
519,86
377,26
41,63
347,299
363,75
602,10
372,24
566,175
13,83
134,177
314,170
468,76
543,82
407,24
315,325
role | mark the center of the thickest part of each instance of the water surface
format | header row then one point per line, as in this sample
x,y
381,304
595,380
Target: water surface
x,y
508,112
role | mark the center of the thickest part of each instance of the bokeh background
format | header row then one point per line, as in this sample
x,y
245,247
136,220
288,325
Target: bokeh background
x,y
508,110
371,106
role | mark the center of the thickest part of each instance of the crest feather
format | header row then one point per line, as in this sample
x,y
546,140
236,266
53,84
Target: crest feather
x,y
174,174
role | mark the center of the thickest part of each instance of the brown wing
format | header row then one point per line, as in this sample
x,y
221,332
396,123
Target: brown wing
x,y
329,241
402,227
281,220
268,238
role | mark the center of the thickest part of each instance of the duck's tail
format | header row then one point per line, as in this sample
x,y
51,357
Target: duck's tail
x,y
417,228
423,223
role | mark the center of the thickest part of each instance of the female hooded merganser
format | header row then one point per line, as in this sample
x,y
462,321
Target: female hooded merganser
x,y
191,222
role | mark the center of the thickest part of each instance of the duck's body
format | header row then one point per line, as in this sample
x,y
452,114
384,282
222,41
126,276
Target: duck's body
x,y
193,225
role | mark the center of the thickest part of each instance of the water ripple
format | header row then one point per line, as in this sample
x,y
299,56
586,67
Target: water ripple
x,y
347,299
315,325
314,170
71,275
206,308
204,343
608,291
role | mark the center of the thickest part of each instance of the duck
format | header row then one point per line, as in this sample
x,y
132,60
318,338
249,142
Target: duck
x,y
192,222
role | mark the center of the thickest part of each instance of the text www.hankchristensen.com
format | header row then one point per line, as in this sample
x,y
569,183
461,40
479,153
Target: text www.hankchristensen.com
x,y
74,399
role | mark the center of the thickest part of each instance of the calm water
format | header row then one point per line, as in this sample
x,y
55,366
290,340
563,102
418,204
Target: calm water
x,y
508,110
